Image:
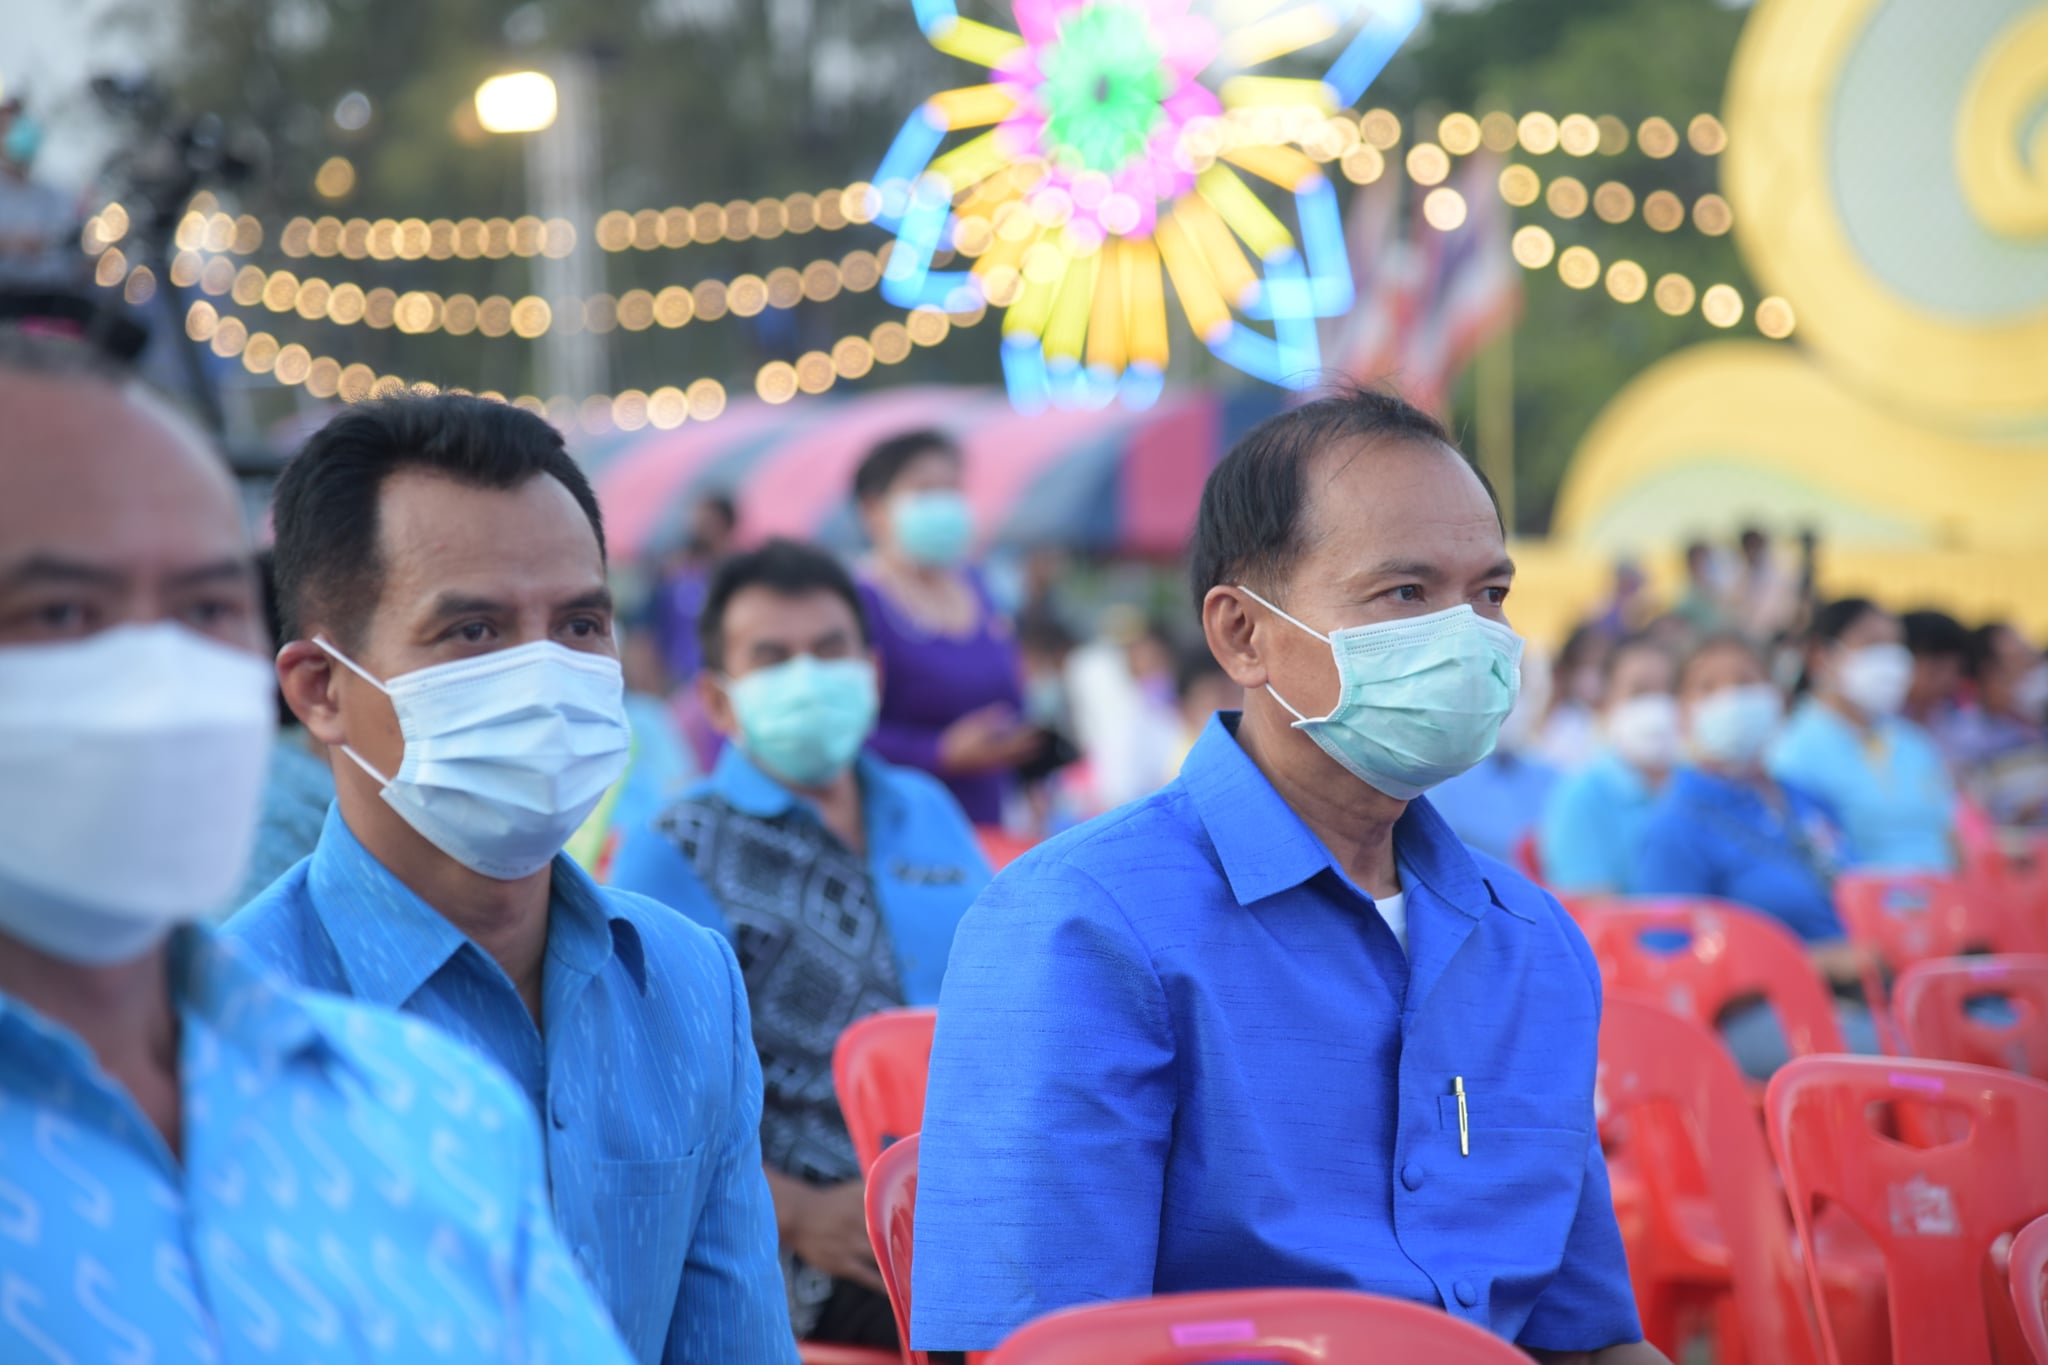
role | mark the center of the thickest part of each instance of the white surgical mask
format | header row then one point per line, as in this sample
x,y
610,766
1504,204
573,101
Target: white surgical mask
x,y
132,767
1732,728
2030,693
1876,679
1645,731
506,754
1420,699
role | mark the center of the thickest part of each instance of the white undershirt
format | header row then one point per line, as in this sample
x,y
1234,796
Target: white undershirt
x,y
1394,910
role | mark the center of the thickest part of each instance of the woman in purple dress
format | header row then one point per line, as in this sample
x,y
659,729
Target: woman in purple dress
x,y
951,686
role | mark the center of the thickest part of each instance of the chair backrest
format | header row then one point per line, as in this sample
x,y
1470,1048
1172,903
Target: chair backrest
x,y
1909,917
2029,1272
1703,955
1931,1003
1935,1212
1283,1326
1001,847
891,1199
1685,1106
879,1068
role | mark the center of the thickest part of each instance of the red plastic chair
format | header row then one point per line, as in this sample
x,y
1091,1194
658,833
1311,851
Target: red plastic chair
x,y
879,1068
1909,917
1001,847
831,1353
1686,1106
1937,1213
2030,1286
1732,953
892,1227
1283,1326
1930,1004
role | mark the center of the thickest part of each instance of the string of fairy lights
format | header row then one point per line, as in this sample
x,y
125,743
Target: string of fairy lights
x,y
213,249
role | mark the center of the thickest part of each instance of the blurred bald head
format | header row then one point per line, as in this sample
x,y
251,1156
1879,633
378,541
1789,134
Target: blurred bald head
x,y
113,508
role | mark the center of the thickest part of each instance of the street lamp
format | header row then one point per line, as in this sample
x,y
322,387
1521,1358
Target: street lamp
x,y
556,109
516,102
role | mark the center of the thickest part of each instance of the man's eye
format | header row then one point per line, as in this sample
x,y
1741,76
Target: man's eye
x,y
1497,596
473,632
586,628
1408,592
211,612
61,616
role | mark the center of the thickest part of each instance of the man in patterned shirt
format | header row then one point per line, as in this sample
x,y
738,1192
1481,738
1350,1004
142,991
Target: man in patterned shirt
x,y
838,877
196,1162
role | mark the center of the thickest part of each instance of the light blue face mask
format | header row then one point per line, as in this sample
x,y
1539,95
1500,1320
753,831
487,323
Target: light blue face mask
x,y
804,720
24,140
1420,699
933,528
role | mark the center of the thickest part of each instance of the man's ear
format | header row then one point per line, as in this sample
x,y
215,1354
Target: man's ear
x,y
1230,627
306,674
717,705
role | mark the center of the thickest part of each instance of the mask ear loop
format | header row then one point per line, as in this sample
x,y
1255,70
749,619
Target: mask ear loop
x,y
362,673
1299,719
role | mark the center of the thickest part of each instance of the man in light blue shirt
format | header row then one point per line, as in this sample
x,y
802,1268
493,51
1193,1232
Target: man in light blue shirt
x,y
1275,1025
198,1163
839,879
440,567
1593,822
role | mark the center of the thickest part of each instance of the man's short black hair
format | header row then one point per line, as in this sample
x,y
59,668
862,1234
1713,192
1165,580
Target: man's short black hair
x,y
1982,649
789,568
884,464
1250,523
721,506
1935,634
325,507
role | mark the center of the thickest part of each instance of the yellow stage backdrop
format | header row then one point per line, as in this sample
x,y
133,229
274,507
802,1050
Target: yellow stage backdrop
x,y
1888,169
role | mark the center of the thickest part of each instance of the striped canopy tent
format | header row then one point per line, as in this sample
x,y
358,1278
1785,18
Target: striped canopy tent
x,y
1108,481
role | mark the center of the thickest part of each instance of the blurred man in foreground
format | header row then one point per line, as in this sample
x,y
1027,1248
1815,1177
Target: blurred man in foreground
x,y
1275,1025
199,1163
839,879
440,565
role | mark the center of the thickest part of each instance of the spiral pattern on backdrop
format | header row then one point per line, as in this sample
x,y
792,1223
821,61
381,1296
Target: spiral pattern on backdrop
x,y
1888,166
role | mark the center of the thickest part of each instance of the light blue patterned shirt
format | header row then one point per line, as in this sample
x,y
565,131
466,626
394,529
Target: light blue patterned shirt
x,y
646,1081
356,1187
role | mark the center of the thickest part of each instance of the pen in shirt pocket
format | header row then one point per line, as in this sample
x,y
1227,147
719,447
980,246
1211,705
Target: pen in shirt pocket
x,y
1464,1121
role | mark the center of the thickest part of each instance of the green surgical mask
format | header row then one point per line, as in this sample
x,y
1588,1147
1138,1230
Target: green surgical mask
x,y
1421,699
934,528
804,720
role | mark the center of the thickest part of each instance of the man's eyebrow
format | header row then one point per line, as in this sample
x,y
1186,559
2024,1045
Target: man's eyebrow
x,y
1405,568
456,604
226,570
1503,568
51,569
597,599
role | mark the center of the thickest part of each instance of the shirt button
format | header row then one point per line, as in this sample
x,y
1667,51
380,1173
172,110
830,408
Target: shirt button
x,y
1467,1292
1411,1175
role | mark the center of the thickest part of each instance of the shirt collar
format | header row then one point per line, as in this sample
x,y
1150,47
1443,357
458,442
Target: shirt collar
x,y
391,943
215,982
1265,848
742,785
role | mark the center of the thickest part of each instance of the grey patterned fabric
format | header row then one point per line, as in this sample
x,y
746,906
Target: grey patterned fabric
x,y
816,956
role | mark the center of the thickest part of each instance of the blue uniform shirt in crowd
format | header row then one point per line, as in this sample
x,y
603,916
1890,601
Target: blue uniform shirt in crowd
x,y
645,1080
1592,825
1491,807
1891,792
1709,835
354,1186
1179,1050
922,858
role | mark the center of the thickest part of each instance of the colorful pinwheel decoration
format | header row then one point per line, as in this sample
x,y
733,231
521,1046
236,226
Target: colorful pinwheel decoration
x,y
1106,168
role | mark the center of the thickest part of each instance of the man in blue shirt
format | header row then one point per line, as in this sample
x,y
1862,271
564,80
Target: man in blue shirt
x,y
197,1163
839,879
1275,1025
440,567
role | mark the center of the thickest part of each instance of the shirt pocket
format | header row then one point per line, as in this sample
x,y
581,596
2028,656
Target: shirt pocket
x,y
1528,1170
645,1213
